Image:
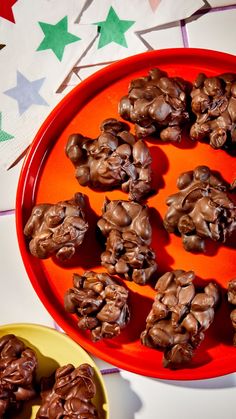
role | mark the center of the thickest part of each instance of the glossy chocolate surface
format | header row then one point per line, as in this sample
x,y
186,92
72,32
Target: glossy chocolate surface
x,y
179,317
128,233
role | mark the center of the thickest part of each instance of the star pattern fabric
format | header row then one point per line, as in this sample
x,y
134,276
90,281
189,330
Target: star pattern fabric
x,y
26,93
113,29
6,10
47,39
56,37
4,136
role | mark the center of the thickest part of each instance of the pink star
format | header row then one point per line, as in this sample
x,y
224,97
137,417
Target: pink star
x,y
154,4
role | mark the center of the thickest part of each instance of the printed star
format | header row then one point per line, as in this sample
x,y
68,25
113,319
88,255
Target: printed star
x,y
4,136
6,10
154,4
26,93
56,37
113,29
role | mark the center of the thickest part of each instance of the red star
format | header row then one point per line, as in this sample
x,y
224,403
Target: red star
x,y
6,9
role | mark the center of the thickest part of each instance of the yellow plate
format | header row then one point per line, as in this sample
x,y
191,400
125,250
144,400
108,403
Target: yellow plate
x,y
55,349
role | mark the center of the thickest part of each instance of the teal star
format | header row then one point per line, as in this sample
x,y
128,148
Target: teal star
x,y
56,37
113,29
4,136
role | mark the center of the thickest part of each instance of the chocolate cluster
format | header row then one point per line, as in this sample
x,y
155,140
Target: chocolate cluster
x,y
214,104
68,393
128,235
156,103
17,375
57,229
114,159
179,317
232,300
200,210
100,304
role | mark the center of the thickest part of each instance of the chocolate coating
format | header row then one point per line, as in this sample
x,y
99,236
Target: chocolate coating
x,y
128,235
112,160
57,228
68,393
100,303
17,374
214,104
232,301
201,209
179,317
156,103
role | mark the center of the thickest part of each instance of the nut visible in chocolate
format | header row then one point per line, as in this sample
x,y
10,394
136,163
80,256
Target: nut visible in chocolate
x,y
114,159
156,103
100,304
179,317
214,104
200,210
68,393
128,235
232,300
57,228
17,374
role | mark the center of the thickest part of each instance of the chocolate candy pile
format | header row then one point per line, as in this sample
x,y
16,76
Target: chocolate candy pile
x,y
179,317
65,394
18,365
156,103
100,303
128,235
68,393
232,301
200,210
114,159
57,228
214,104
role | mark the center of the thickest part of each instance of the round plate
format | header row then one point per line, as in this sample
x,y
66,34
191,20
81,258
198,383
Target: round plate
x,y
48,176
53,350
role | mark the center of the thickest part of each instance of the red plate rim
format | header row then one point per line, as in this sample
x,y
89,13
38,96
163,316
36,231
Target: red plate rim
x,y
45,129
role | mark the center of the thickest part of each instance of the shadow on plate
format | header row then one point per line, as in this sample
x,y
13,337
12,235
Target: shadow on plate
x,y
160,166
160,239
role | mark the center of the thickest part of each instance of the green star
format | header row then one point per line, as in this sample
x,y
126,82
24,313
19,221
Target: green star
x,y
4,136
113,29
56,37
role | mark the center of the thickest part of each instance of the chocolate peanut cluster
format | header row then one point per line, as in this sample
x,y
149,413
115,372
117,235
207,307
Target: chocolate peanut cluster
x,y
179,317
232,300
100,303
200,210
156,103
57,228
128,235
17,375
114,159
214,104
68,393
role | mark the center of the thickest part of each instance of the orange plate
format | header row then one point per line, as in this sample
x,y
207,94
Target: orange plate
x,y
48,176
